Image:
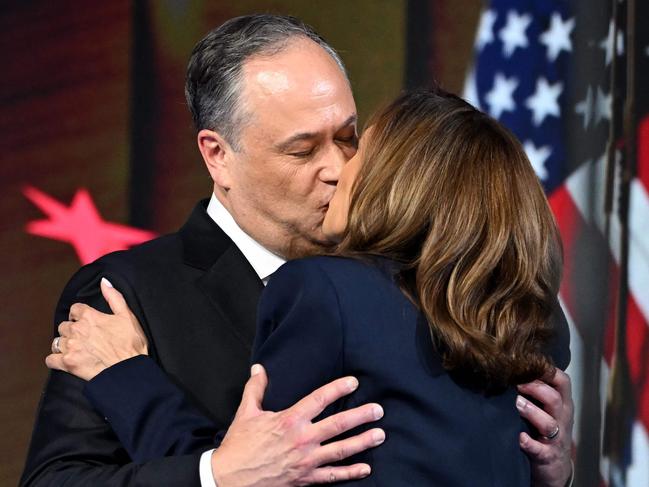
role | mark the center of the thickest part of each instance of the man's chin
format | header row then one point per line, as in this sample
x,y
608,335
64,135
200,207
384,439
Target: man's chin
x,y
305,247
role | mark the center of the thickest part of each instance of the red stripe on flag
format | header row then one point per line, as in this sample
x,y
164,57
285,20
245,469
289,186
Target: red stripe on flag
x,y
571,225
611,310
637,340
569,221
643,152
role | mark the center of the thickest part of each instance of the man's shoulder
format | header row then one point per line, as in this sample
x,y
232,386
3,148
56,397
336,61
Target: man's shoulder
x,y
128,269
167,250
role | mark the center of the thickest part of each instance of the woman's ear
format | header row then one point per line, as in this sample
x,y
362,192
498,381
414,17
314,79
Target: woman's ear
x,y
217,154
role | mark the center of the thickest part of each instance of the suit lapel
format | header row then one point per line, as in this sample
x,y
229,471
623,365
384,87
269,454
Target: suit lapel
x,y
229,281
234,287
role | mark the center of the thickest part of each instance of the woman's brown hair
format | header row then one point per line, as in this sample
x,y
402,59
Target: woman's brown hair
x,y
447,192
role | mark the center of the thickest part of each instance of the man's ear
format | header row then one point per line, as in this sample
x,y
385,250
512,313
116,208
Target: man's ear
x,y
217,154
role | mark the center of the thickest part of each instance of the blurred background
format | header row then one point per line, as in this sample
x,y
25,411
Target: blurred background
x,y
98,153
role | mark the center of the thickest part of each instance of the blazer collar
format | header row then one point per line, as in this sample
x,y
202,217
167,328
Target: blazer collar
x,y
203,241
229,280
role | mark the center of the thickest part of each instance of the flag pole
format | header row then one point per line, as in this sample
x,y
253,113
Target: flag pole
x,y
621,401
612,132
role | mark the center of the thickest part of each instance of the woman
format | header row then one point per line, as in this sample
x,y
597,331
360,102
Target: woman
x,y
437,299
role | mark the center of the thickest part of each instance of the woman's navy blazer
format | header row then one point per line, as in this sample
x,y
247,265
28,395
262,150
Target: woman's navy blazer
x,y
322,318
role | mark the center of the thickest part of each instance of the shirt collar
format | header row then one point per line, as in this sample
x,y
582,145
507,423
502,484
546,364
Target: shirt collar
x,y
262,260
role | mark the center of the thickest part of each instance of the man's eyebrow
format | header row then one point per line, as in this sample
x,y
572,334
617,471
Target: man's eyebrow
x,y
284,145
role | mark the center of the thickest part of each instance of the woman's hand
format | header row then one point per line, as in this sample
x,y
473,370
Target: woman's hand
x,y
93,341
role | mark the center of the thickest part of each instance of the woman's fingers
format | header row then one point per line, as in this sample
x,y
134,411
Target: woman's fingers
x,y
59,345
54,361
114,298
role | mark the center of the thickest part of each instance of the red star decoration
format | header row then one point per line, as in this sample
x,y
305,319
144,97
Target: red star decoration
x,y
81,226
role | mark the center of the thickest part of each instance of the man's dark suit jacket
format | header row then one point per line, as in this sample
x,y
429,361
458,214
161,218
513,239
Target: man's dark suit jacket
x,y
322,318
195,295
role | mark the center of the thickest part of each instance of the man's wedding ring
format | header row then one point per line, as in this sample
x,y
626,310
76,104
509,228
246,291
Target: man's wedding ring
x,y
552,435
55,345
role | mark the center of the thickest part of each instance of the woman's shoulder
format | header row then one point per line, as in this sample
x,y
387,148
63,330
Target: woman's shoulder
x,y
333,278
337,268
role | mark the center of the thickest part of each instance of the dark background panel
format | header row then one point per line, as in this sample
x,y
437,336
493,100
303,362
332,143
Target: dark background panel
x,y
64,100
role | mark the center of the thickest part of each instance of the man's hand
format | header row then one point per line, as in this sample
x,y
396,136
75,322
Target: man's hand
x,y
93,341
550,456
262,448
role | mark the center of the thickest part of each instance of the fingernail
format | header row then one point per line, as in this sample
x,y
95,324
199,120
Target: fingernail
x,y
106,282
352,383
522,440
521,403
365,470
255,369
378,437
377,411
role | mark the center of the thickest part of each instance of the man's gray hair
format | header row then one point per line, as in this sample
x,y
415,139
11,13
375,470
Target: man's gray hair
x,y
213,83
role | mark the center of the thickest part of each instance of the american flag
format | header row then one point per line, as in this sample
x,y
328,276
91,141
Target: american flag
x,y
565,78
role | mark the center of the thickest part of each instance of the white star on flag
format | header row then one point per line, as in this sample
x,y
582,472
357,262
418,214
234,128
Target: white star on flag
x,y
607,43
537,157
545,100
557,37
501,96
585,107
602,106
513,34
485,30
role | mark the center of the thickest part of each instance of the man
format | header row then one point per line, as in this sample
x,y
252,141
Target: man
x,y
276,121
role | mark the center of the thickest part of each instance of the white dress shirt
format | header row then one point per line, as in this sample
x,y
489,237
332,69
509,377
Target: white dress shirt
x,y
263,261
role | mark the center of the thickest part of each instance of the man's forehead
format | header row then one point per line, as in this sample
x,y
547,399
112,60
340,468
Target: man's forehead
x,y
271,81
276,80
283,98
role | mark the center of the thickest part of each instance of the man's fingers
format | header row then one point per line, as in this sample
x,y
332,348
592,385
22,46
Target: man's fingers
x,y
344,421
533,448
253,393
113,297
328,475
545,394
545,424
313,404
340,450
562,382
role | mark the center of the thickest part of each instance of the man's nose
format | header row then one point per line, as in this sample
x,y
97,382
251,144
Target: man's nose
x,y
333,164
